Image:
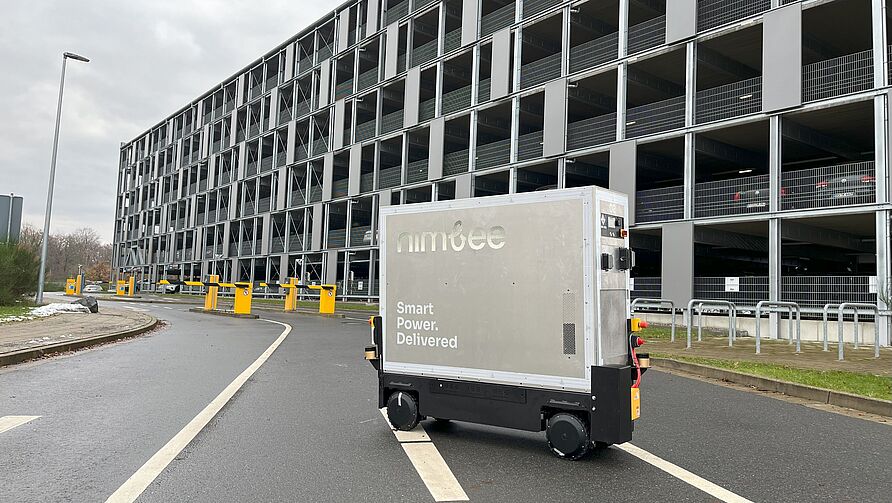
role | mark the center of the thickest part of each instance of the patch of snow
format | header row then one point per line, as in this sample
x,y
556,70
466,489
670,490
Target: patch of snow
x,y
51,309
47,310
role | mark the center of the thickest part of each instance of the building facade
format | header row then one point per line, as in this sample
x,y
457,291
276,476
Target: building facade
x,y
751,134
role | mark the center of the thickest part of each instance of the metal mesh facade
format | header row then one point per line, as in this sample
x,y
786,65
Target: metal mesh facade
x,y
279,170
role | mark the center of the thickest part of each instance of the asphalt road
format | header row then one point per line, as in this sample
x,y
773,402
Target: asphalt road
x,y
305,427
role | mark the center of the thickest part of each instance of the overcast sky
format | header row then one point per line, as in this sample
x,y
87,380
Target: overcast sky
x,y
149,58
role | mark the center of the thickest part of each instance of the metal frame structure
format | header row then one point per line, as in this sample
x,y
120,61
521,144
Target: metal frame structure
x,y
262,172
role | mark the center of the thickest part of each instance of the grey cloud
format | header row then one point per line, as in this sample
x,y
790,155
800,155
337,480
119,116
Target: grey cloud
x,y
149,59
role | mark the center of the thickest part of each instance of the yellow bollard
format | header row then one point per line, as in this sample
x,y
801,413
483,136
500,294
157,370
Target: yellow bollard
x,y
210,298
291,295
242,301
79,282
131,286
69,287
121,287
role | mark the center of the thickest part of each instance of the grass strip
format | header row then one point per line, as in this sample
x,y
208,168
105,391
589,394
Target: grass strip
x,y
868,385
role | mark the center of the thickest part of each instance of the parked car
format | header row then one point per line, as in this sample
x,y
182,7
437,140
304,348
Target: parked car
x,y
92,289
367,237
861,188
755,198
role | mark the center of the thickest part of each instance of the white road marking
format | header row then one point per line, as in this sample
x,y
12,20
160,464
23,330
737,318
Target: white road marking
x,y
430,465
9,422
167,307
139,481
434,471
416,435
680,473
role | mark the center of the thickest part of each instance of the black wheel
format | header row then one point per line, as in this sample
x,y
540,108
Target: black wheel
x,y
567,436
402,410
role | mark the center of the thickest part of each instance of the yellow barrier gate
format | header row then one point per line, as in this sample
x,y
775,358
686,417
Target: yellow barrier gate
x,y
243,294
70,286
125,287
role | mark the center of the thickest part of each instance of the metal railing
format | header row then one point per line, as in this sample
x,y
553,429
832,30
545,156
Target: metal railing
x,y
365,131
655,117
455,162
837,76
533,7
396,12
713,13
366,182
337,238
391,121
713,304
592,131
657,205
483,90
744,195
817,291
339,187
838,185
773,307
367,79
344,89
456,100
389,177
427,109
595,52
497,19
855,307
416,171
647,35
529,146
656,304
648,287
320,146
424,52
452,40
540,71
493,154
752,289
729,100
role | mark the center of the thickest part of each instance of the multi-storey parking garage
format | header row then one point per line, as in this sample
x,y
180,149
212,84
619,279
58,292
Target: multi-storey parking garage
x,y
752,134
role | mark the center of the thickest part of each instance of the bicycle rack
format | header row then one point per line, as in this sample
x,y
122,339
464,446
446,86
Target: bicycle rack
x,y
732,317
658,303
774,307
855,306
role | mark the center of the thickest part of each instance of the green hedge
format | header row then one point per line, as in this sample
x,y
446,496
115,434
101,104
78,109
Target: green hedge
x,y
19,269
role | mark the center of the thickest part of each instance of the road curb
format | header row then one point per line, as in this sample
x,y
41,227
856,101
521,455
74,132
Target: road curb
x,y
24,355
838,398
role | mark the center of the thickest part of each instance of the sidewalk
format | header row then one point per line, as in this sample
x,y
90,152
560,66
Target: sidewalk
x,y
773,351
69,327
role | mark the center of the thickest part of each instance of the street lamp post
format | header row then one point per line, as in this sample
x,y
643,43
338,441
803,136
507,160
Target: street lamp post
x,y
49,193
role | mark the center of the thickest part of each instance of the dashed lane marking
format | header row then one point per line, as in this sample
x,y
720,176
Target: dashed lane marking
x,y
139,481
429,464
9,422
716,491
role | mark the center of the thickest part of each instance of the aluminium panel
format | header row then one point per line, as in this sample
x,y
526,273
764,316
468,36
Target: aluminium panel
x,y
412,97
681,20
436,142
391,50
555,121
469,24
782,58
500,71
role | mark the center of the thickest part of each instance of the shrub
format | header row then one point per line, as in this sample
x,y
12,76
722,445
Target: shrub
x,y
19,270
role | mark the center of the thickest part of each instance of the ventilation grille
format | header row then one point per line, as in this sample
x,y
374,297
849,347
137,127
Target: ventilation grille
x,y
569,323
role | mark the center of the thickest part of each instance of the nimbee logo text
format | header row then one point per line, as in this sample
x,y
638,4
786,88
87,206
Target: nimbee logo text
x,y
477,238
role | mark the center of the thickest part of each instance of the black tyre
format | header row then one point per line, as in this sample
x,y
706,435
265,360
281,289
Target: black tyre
x,y
402,410
567,436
